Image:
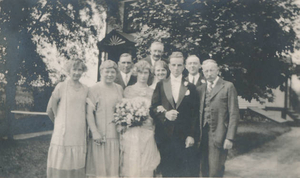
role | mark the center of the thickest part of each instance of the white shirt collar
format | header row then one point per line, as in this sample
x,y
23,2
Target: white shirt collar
x,y
215,81
196,77
153,61
124,75
173,78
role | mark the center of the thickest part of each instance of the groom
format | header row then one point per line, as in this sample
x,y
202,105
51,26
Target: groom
x,y
174,110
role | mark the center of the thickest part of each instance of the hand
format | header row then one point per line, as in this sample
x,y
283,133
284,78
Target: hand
x,y
97,138
120,128
189,141
227,144
171,115
103,140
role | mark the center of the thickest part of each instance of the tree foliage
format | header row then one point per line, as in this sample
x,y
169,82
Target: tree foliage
x,y
29,27
71,28
251,40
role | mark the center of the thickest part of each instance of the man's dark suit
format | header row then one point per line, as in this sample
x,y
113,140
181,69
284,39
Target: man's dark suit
x,y
201,80
151,77
195,153
119,80
221,125
171,135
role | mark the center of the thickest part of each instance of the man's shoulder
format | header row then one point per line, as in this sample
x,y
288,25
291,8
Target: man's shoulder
x,y
133,76
147,58
163,82
118,75
166,60
226,83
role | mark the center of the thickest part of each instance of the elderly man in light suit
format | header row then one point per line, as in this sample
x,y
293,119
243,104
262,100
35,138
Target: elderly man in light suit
x,y
219,116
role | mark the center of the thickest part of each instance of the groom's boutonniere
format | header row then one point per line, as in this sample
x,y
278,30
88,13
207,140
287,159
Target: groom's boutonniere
x,y
187,93
185,83
161,109
203,81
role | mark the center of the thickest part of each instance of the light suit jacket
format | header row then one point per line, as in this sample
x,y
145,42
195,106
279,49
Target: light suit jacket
x,y
224,111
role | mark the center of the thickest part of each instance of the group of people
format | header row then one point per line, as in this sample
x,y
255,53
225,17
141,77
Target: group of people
x,y
191,125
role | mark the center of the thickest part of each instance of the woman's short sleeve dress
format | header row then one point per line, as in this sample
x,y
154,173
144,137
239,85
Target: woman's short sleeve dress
x,y
103,160
67,152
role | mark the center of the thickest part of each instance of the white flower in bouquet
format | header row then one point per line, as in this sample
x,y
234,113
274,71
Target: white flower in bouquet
x,y
128,121
129,116
131,112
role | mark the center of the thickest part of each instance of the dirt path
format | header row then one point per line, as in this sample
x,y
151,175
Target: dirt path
x,y
279,158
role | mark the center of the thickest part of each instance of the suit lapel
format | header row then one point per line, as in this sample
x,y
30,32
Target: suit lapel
x,y
217,88
182,91
203,91
121,80
168,91
131,80
199,82
187,78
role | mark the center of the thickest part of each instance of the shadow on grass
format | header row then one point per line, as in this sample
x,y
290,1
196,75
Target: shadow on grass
x,y
251,135
24,158
28,158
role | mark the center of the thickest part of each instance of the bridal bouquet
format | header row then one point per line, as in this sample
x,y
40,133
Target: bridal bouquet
x,y
131,112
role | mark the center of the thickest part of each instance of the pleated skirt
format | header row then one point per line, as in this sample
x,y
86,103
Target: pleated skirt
x,y
66,161
103,160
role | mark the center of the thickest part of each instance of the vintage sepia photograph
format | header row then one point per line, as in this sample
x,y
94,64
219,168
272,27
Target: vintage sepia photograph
x,y
149,88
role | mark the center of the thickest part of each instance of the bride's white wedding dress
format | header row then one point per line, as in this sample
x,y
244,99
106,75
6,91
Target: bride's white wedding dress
x,y
140,156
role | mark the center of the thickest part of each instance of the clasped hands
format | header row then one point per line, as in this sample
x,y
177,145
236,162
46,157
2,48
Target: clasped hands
x,y
98,139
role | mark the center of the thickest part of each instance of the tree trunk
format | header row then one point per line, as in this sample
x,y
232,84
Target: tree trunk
x,y
12,64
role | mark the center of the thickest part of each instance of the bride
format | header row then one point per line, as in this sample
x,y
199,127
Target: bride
x,y
140,155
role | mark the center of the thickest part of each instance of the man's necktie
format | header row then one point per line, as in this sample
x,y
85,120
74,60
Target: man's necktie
x,y
209,86
127,79
193,81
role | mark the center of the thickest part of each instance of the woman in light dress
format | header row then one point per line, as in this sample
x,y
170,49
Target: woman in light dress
x,y
103,146
67,151
140,155
161,72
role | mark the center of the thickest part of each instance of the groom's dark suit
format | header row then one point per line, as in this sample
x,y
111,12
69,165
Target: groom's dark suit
x,y
171,135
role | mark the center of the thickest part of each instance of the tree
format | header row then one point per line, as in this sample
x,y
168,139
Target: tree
x,y
68,29
251,40
18,51
27,25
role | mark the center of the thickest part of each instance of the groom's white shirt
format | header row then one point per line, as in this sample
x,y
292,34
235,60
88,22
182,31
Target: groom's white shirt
x,y
175,85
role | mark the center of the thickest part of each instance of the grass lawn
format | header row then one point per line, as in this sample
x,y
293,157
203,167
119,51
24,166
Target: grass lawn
x,y
28,158
24,158
252,134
